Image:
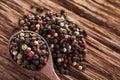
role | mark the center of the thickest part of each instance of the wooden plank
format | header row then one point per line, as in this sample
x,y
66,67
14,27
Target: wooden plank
x,y
100,18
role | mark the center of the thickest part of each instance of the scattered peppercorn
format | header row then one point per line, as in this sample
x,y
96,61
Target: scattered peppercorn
x,y
65,39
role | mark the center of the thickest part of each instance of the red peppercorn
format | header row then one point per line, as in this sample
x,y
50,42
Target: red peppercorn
x,y
21,29
53,31
65,39
83,41
40,22
57,51
45,61
30,54
32,16
50,12
66,61
38,29
11,46
77,48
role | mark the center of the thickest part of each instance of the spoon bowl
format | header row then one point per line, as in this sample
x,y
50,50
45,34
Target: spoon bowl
x,y
47,69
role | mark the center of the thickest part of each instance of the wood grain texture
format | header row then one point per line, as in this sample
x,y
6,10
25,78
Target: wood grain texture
x,y
100,18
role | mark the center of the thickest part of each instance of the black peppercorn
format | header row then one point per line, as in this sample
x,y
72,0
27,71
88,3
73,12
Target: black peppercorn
x,y
40,9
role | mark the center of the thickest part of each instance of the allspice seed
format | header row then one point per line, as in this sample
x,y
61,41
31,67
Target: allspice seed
x,y
36,42
56,35
59,60
74,63
64,50
61,24
22,34
80,67
14,52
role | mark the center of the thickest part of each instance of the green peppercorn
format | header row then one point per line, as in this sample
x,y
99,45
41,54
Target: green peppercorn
x,y
22,22
24,47
19,61
25,27
19,56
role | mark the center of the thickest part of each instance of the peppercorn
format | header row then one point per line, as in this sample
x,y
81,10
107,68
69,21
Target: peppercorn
x,y
49,36
74,63
40,9
36,56
59,60
76,33
22,22
62,71
50,12
52,46
41,60
36,62
19,61
33,67
80,67
24,47
55,34
83,41
62,59
55,41
66,26
15,58
66,71
83,66
14,52
36,42
25,27
19,56
66,61
22,34
45,61
64,50
30,54
53,31
40,22
61,24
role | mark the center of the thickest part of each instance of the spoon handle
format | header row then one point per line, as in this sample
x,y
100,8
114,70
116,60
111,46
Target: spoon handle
x,y
49,71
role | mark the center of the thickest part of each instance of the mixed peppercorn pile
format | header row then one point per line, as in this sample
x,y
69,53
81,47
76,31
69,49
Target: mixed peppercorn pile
x,y
29,50
65,38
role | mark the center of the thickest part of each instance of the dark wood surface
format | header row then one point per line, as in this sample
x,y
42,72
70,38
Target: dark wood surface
x,y
100,18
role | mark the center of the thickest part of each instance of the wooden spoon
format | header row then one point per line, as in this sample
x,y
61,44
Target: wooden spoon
x,y
47,69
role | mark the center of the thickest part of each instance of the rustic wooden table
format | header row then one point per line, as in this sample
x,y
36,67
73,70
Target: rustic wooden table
x,y
100,18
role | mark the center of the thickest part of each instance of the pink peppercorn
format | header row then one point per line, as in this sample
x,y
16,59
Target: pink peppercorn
x,y
32,16
45,61
83,41
66,61
53,31
30,54
50,12
40,22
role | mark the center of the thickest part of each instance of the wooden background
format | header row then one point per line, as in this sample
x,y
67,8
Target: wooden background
x,y
100,18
